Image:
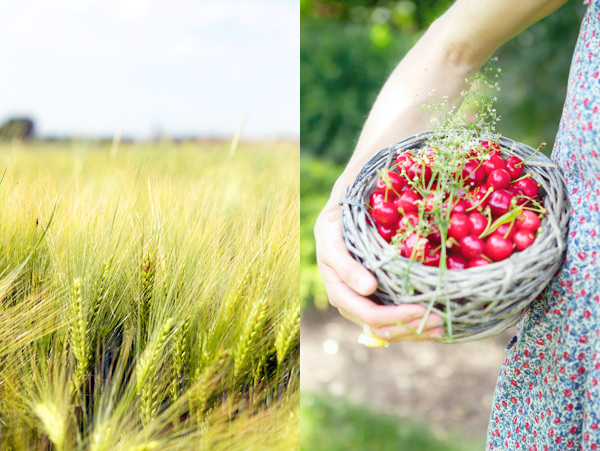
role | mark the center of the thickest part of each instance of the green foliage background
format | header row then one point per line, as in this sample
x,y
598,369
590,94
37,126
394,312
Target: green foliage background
x,y
349,48
359,428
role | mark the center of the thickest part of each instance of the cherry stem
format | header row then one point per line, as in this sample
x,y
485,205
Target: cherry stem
x,y
488,192
526,176
540,208
505,218
540,147
512,223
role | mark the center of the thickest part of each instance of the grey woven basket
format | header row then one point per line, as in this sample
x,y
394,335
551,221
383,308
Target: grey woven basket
x,y
477,302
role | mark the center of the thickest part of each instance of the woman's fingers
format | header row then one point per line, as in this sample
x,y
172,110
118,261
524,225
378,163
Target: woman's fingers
x,y
333,253
405,332
397,321
362,310
348,282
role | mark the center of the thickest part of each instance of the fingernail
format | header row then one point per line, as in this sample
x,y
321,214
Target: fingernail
x,y
365,284
433,323
437,333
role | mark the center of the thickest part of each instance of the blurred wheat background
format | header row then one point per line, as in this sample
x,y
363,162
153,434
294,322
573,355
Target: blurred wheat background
x,y
149,296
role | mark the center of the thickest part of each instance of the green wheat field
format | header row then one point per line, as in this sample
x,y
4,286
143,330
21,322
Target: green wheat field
x,y
149,296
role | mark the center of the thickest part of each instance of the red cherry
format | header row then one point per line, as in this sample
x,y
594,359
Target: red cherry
x,y
404,161
413,246
432,256
459,227
499,202
506,230
471,247
473,173
499,179
498,248
435,236
387,233
407,201
514,166
390,180
494,162
408,221
528,220
456,262
460,206
479,197
376,198
478,223
475,262
518,194
419,171
385,214
528,186
523,239
453,246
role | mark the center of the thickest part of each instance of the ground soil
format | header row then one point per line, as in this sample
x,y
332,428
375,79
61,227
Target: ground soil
x,y
449,386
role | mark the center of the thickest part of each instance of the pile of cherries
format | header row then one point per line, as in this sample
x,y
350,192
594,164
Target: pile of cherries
x,y
486,209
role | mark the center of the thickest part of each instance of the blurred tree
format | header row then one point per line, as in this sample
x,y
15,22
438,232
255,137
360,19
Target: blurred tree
x,y
349,48
341,72
17,128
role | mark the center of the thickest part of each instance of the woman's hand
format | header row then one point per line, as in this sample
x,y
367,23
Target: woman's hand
x,y
348,283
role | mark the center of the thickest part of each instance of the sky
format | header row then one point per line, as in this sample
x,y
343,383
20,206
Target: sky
x,y
152,67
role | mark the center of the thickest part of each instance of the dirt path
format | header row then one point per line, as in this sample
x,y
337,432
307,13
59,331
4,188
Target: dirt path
x,y
448,386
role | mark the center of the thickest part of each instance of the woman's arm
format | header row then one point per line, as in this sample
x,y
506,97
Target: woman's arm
x,y
452,50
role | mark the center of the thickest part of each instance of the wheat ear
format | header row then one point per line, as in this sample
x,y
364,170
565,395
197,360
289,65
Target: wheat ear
x,y
78,333
52,421
288,331
100,291
146,369
148,275
94,308
250,332
206,381
180,356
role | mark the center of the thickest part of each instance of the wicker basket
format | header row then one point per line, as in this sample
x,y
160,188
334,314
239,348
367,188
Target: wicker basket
x,y
477,302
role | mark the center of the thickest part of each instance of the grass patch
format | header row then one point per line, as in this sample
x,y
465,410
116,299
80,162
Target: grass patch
x,y
332,424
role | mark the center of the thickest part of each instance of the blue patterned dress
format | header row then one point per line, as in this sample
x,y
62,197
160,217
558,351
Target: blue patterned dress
x,y
548,392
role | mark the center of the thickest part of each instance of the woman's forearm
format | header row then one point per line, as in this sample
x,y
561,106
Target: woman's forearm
x,y
397,111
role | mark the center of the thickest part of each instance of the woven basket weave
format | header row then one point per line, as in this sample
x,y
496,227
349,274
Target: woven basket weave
x,y
477,302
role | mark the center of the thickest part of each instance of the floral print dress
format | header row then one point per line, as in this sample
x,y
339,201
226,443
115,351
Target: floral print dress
x,y
547,396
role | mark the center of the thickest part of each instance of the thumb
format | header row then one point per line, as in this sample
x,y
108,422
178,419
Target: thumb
x,y
332,251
